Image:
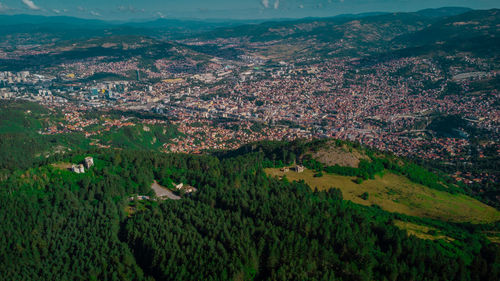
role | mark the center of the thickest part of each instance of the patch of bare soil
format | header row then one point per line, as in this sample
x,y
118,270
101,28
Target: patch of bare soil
x,y
163,192
343,156
62,165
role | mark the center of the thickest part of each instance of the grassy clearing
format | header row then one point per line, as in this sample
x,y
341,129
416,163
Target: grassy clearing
x,y
279,51
494,239
344,156
62,165
395,193
421,231
493,236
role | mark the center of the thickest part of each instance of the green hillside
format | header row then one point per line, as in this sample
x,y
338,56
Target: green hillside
x,y
466,26
395,193
108,48
240,225
435,32
145,137
22,144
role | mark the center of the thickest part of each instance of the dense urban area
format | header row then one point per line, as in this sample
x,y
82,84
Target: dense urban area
x,y
395,105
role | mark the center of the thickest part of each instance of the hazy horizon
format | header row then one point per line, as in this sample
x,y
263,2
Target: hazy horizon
x,y
223,9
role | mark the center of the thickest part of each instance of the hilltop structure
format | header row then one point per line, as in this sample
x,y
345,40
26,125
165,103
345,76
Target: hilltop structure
x,y
89,162
186,188
79,169
299,168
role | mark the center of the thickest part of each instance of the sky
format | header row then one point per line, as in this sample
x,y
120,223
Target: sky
x,y
224,9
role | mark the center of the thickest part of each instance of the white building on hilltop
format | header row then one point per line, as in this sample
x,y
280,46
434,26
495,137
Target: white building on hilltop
x,y
89,162
79,169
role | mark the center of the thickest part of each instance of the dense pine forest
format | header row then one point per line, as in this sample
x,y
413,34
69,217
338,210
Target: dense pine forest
x,y
240,225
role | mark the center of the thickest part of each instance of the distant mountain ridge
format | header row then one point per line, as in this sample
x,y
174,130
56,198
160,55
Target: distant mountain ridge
x,y
363,35
397,34
22,23
325,27
463,26
66,28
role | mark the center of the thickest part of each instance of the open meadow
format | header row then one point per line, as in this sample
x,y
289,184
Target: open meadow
x,y
395,193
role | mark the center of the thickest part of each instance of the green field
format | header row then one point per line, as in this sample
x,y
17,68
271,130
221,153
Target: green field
x,y
493,236
422,231
433,233
395,193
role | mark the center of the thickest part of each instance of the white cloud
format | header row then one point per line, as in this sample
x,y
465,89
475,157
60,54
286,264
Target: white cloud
x,y
56,11
31,5
95,14
130,9
276,4
265,3
3,7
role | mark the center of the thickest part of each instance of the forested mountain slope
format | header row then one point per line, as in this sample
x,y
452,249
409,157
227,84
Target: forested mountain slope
x,y
240,225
